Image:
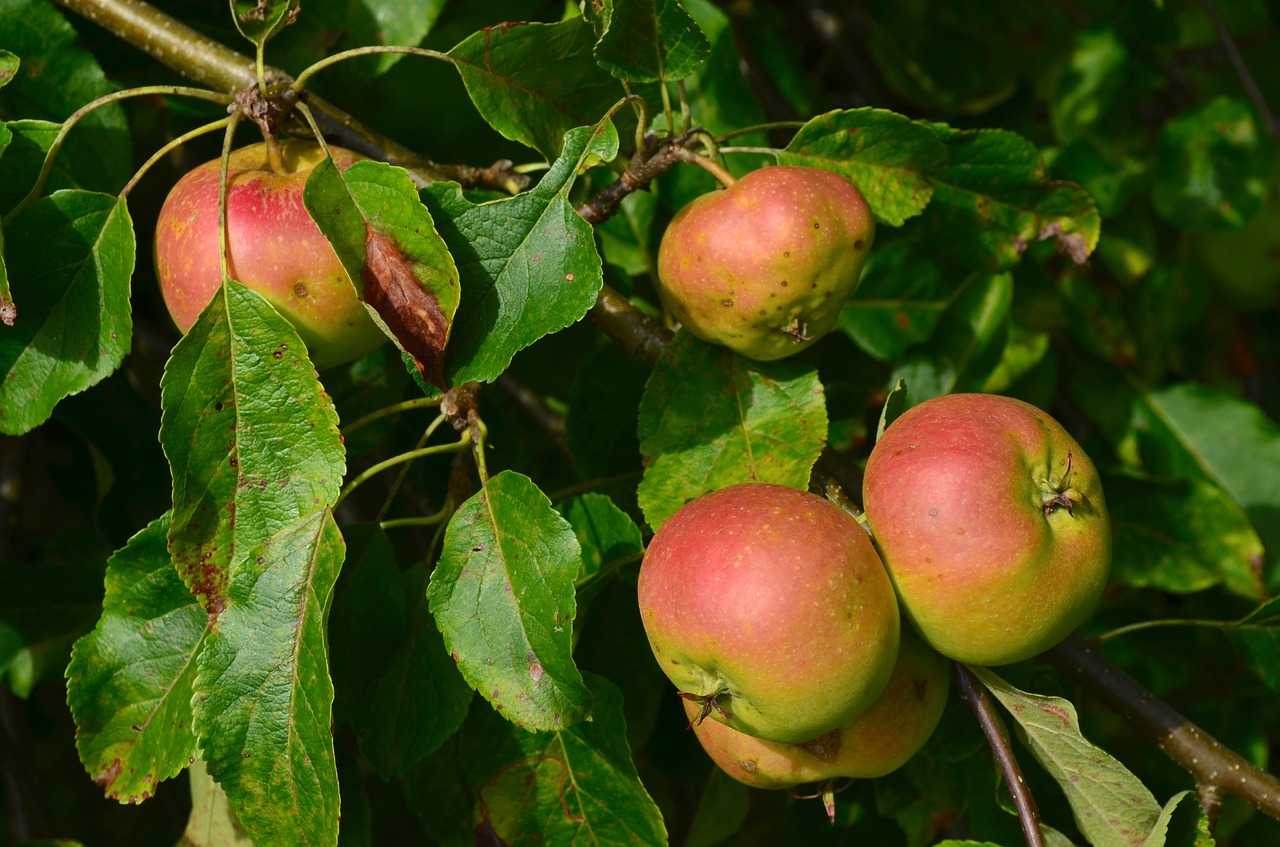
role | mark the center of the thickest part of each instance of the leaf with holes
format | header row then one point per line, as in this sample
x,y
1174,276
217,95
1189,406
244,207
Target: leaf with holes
x,y
256,458
502,595
130,680
711,418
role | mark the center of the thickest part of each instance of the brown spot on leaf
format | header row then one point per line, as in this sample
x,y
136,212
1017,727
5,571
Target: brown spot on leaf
x,y
1071,243
8,312
409,310
108,776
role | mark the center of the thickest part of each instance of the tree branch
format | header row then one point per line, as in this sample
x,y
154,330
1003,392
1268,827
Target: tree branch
x,y
1213,765
973,693
208,62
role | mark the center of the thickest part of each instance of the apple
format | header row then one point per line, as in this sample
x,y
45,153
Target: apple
x,y
991,522
769,608
274,248
764,266
876,742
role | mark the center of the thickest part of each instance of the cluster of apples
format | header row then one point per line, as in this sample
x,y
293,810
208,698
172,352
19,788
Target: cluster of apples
x,y
775,613
777,616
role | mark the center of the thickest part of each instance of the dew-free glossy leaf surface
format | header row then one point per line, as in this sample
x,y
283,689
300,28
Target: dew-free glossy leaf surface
x,y
528,264
129,683
650,40
711,418
888,157
502,595
575,786
70,257
1111,806
533,82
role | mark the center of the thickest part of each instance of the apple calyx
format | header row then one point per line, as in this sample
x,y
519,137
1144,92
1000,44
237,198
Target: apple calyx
x,y
1058,493
706,705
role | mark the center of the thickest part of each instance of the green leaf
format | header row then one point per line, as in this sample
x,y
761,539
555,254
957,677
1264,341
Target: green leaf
x,y
966,347
887,156
8,67
387,241
211,823
722,810
129,683
1111,806
390,22
253,444
405,693
711,418
1211,166
69,257
263,697
1202,432
57,77
1257,637
650,41
898,303
261,20
894,405
236,388
1181,536
575,786
601,425
1097,321
607,535
992,199
528,263
533,82
1182,823
502,595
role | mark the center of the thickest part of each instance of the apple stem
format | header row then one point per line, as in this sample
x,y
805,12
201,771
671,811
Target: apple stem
x,y
275,156
972,692
709,165
170,147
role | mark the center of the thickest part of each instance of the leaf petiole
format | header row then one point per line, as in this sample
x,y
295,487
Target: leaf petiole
x,y
437,449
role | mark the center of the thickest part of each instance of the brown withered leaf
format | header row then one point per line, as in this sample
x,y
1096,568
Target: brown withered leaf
x,y
409,310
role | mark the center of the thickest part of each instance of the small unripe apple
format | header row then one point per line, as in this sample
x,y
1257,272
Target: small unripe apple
x,y
991,521
273,247
765,265
876,742
769,608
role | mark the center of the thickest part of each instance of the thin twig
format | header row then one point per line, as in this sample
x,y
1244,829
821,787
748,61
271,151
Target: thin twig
x,y
1211,763
208,62
973,693
551,424
1242,70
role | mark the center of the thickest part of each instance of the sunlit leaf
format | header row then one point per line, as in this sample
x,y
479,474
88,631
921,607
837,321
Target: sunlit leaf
x,y
712,418
887,156
130,681
502,595
70,257
1111,806
528,264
